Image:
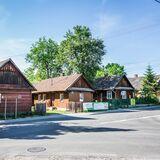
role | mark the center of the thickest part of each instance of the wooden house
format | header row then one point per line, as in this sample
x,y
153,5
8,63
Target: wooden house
x,y
115,87
136,82
15,89
58,92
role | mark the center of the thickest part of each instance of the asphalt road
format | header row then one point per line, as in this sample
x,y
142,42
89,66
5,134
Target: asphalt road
x,y
132,134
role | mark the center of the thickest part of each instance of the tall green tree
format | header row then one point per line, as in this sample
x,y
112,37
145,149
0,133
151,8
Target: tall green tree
x,y
81,53
43,59
111,69
149,83
33,75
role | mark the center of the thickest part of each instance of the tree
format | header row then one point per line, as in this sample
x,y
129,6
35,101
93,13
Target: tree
x,y
81,53
111,69
149,83
43,59
33,75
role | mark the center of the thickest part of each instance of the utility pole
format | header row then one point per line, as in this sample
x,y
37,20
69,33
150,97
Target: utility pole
x,y
5,108
16,107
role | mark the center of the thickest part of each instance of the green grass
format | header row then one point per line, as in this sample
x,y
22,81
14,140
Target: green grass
x,y
57,112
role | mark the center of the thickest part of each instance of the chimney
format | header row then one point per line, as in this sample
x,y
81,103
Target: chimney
x,y
136,76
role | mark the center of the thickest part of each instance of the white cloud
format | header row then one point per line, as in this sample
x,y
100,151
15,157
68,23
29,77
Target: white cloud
x,y
106,23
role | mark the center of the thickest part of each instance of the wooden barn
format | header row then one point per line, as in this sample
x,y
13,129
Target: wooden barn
x,y
115,87
59,92
15,89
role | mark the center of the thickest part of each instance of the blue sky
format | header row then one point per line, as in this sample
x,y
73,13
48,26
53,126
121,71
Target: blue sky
x,y
130,29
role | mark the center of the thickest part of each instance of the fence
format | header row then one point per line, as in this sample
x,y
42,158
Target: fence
x,y
110,104
75,107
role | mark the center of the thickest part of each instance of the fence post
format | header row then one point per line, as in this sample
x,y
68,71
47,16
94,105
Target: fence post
x,y
5,109
16,107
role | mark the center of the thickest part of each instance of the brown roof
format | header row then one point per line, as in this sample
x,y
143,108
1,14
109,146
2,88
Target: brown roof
x,y
136,82
61,83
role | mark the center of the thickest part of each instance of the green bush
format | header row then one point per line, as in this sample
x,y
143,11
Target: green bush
x,y
119,103
147,100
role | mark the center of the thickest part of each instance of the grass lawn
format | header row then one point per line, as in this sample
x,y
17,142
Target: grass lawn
x,y
50,112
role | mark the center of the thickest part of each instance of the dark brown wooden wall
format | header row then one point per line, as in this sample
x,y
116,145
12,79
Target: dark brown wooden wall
x,y
74,97
24,101
13,85
124,83
81,83
9,75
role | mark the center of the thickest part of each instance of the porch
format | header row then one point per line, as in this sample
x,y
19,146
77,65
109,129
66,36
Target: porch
x,y
117,93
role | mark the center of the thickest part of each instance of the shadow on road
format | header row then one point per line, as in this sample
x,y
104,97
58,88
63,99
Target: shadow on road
x,y
50,129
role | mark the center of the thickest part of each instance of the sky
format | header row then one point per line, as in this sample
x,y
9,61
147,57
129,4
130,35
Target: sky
x,y
130,28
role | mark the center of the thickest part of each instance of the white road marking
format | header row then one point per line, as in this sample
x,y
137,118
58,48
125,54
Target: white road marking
x,y
129,119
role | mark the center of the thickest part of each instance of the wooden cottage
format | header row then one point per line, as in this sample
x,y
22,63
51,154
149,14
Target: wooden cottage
x,y
15,89
58,92
115,87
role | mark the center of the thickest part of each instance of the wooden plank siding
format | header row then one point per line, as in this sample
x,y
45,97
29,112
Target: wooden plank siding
x,y
24,102
116,86
71,93
14,85
74,97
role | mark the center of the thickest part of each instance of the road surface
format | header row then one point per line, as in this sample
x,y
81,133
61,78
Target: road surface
x,y
128,134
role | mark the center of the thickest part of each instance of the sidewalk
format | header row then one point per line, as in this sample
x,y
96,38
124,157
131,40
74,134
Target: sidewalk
x,y
3,122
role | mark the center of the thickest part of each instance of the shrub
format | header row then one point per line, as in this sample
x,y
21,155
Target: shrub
x,y
147,100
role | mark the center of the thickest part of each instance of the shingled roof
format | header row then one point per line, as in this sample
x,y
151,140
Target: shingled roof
x,y
136,82
108,82
61,83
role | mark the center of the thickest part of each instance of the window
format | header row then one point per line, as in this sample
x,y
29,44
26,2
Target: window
x,y
61,97
124,94
81,97
109,94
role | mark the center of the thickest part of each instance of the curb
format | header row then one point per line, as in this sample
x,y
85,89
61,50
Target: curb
x,y
28,119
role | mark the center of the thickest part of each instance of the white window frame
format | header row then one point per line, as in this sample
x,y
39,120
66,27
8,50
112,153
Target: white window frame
x,y
124,94
81,97
61,97
109,94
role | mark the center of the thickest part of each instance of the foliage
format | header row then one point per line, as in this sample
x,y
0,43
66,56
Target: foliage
x,y
147,100
43,59
118,103
81,53
33,75
110,69
149,83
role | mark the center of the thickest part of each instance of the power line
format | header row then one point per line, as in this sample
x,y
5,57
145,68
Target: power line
x,y
133,30
157,1
121,33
